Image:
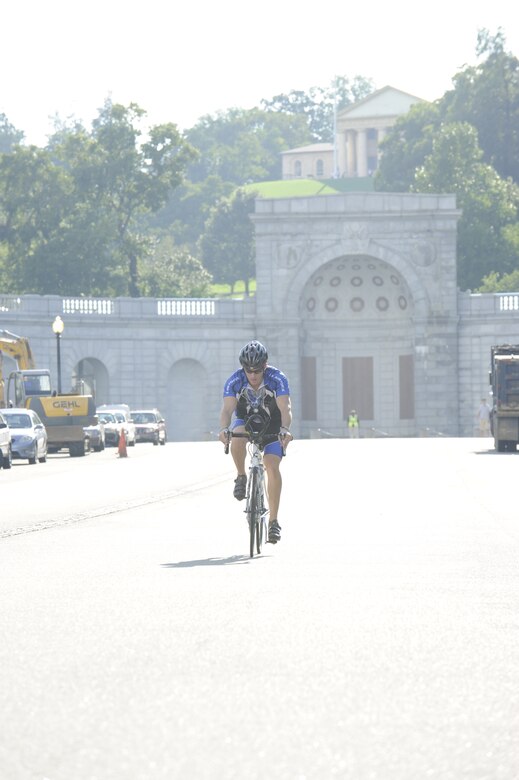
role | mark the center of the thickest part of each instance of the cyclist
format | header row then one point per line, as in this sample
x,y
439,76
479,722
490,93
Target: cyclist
x,y
257,390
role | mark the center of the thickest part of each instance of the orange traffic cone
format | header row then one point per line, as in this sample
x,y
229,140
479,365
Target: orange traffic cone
x,y
122,445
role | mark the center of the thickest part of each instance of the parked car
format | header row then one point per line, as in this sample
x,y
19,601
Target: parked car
x,y
96,436
111,427
5,444
121,413
28,435
149,426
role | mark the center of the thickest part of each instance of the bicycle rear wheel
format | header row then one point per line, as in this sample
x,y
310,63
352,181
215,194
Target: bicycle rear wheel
x,y
254,514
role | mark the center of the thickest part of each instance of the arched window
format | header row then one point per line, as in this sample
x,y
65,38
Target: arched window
x,y
297,168
319,169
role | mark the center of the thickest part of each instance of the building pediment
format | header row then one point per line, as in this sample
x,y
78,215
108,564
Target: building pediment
x,y
385,102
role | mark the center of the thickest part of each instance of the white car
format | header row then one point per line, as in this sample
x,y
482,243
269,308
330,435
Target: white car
x,y
5,444
28,435
121,413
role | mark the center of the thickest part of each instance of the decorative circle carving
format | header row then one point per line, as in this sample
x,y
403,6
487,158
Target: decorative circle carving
x,y
372,266
378,281
331,305
382,304
335,281
356,267
317,281
356,304
395,279
310,304
402,302
356,281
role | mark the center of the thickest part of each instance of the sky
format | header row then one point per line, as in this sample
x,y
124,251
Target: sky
x,y
182,60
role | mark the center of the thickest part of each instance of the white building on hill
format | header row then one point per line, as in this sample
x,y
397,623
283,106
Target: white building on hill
x,y
359,130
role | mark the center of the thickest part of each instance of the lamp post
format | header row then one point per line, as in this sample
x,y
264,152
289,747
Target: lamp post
x,y
58,326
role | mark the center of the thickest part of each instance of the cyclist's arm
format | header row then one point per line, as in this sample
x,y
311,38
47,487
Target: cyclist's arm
x,y
228,407
285,407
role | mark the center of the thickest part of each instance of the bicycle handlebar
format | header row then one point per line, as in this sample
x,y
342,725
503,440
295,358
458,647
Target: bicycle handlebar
x,y
264,439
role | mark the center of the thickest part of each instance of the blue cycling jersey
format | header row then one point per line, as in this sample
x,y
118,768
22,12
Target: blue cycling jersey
x,y
273,379
274,384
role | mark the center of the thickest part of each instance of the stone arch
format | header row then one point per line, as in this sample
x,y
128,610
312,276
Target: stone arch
x,y
352,248
356,315
90,376
187,401
355,289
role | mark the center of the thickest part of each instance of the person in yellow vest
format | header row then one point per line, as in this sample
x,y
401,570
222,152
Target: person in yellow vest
x,y
353,424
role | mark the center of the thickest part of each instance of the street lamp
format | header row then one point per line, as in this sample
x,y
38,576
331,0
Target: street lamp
x,y
58,326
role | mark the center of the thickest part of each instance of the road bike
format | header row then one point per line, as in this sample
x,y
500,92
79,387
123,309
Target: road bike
x,y
256,502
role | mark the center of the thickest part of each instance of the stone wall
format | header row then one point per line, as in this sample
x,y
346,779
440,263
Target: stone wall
x,y
358,288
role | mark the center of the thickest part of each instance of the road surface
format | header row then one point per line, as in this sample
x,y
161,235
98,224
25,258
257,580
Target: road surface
x,y
378,641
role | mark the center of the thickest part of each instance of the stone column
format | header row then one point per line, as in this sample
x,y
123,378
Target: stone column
x,y
342,165
362,156
381,134
350,153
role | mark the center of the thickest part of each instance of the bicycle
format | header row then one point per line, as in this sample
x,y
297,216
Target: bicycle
x,y
255,506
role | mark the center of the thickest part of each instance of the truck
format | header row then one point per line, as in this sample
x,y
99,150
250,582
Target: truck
x,y
64,415
504,379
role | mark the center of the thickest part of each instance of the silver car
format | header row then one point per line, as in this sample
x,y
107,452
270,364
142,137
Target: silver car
x,y
28,435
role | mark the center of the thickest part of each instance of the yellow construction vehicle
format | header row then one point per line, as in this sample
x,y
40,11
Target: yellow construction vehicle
x,y
64,415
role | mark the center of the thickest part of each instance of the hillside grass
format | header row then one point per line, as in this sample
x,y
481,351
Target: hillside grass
x,y
224,290
303,188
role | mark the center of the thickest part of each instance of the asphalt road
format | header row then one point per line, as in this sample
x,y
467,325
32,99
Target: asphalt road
x,y
378,641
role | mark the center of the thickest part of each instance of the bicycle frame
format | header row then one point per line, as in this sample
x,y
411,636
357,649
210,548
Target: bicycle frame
x,y
255,499
255,506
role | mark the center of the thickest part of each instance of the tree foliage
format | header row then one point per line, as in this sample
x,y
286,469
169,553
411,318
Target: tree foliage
x,y
70,215
171,272
9,135
489,204
241,146
318,104
487,96
227,245
467,143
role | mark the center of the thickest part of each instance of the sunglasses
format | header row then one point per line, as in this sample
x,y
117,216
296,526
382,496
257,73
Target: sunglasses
x,y
250,370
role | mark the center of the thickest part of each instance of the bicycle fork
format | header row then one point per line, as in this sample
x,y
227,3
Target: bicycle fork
x,y
259,469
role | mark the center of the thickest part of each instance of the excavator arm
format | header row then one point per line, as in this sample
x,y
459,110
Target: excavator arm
x,y
18,348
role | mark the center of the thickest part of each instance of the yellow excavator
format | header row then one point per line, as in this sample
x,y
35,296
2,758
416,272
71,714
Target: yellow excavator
x,y
64,415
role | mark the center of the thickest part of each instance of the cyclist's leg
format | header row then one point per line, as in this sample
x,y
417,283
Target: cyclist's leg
x,y
272,461
239,452
239,447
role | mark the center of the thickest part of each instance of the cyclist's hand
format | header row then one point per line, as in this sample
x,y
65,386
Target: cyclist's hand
x,y
285,437
225,436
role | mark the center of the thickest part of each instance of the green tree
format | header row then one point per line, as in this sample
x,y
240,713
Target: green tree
x,y
406,146
506,282
489,203
318,104
9,135
227,245
241,146
171,272
188,208
71,215
487,96
34,205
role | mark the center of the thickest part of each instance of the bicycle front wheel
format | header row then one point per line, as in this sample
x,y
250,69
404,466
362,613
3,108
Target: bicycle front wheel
x,y
254,514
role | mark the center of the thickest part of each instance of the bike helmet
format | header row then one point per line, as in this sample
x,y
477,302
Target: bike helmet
x,y
253,355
